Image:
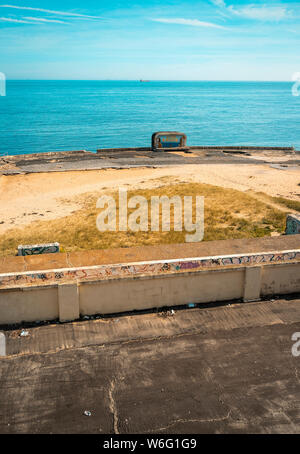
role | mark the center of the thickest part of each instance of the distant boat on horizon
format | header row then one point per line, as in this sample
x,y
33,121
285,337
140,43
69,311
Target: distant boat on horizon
x,y
142,80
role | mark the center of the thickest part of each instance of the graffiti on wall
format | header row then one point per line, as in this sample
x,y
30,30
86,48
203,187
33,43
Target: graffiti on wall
x,y
292,224
37,249
102,272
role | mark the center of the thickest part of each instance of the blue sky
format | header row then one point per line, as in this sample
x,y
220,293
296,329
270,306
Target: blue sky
x,y
150,39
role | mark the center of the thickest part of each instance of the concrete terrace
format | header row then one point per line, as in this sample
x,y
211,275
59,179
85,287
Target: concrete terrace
x,y
121,158
226,369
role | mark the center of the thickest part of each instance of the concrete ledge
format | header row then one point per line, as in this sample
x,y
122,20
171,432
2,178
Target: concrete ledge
x,y
241,147
204,147
101,150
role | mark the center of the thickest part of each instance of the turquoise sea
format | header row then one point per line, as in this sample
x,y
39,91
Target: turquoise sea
x,y
42,116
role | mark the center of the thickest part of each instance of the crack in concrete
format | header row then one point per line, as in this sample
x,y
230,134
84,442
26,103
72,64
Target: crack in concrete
x,y
68,260
25,264
113,407
181,420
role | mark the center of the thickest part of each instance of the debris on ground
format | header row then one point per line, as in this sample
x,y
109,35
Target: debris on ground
x,y
87,413
24,333
167,313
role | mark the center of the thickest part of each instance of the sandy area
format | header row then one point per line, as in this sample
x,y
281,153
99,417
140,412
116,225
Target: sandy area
x,y
45,196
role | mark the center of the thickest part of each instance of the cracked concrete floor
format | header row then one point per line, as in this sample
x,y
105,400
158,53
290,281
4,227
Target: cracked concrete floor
x,y
214,370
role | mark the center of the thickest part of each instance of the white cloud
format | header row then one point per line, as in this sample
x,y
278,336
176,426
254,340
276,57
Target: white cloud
x,y
192,22
8,19
62,13
44,20
264,12
219,2
269,13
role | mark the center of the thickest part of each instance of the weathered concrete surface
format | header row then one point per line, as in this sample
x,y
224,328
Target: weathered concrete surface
x,y
143,157
148,253
220,370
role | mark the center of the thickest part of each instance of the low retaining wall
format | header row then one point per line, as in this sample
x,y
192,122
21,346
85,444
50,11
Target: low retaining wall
x,y
37,249
67,293
242,147
205,147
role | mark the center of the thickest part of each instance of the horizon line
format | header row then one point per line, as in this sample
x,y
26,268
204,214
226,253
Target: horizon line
x,y
146,80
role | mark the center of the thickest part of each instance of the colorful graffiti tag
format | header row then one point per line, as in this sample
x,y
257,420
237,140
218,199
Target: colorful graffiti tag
x,y
144,268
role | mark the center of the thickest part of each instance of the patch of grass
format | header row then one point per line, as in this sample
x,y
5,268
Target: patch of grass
x,y
281,201
228,214
291,204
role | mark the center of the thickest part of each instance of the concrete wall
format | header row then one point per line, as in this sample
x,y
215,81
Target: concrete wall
x,y
128,294
29,304
68,300
280,279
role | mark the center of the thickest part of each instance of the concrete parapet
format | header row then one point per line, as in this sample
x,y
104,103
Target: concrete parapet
x,y
67,301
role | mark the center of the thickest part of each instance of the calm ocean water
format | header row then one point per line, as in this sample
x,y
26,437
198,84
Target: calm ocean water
x,y
41,116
